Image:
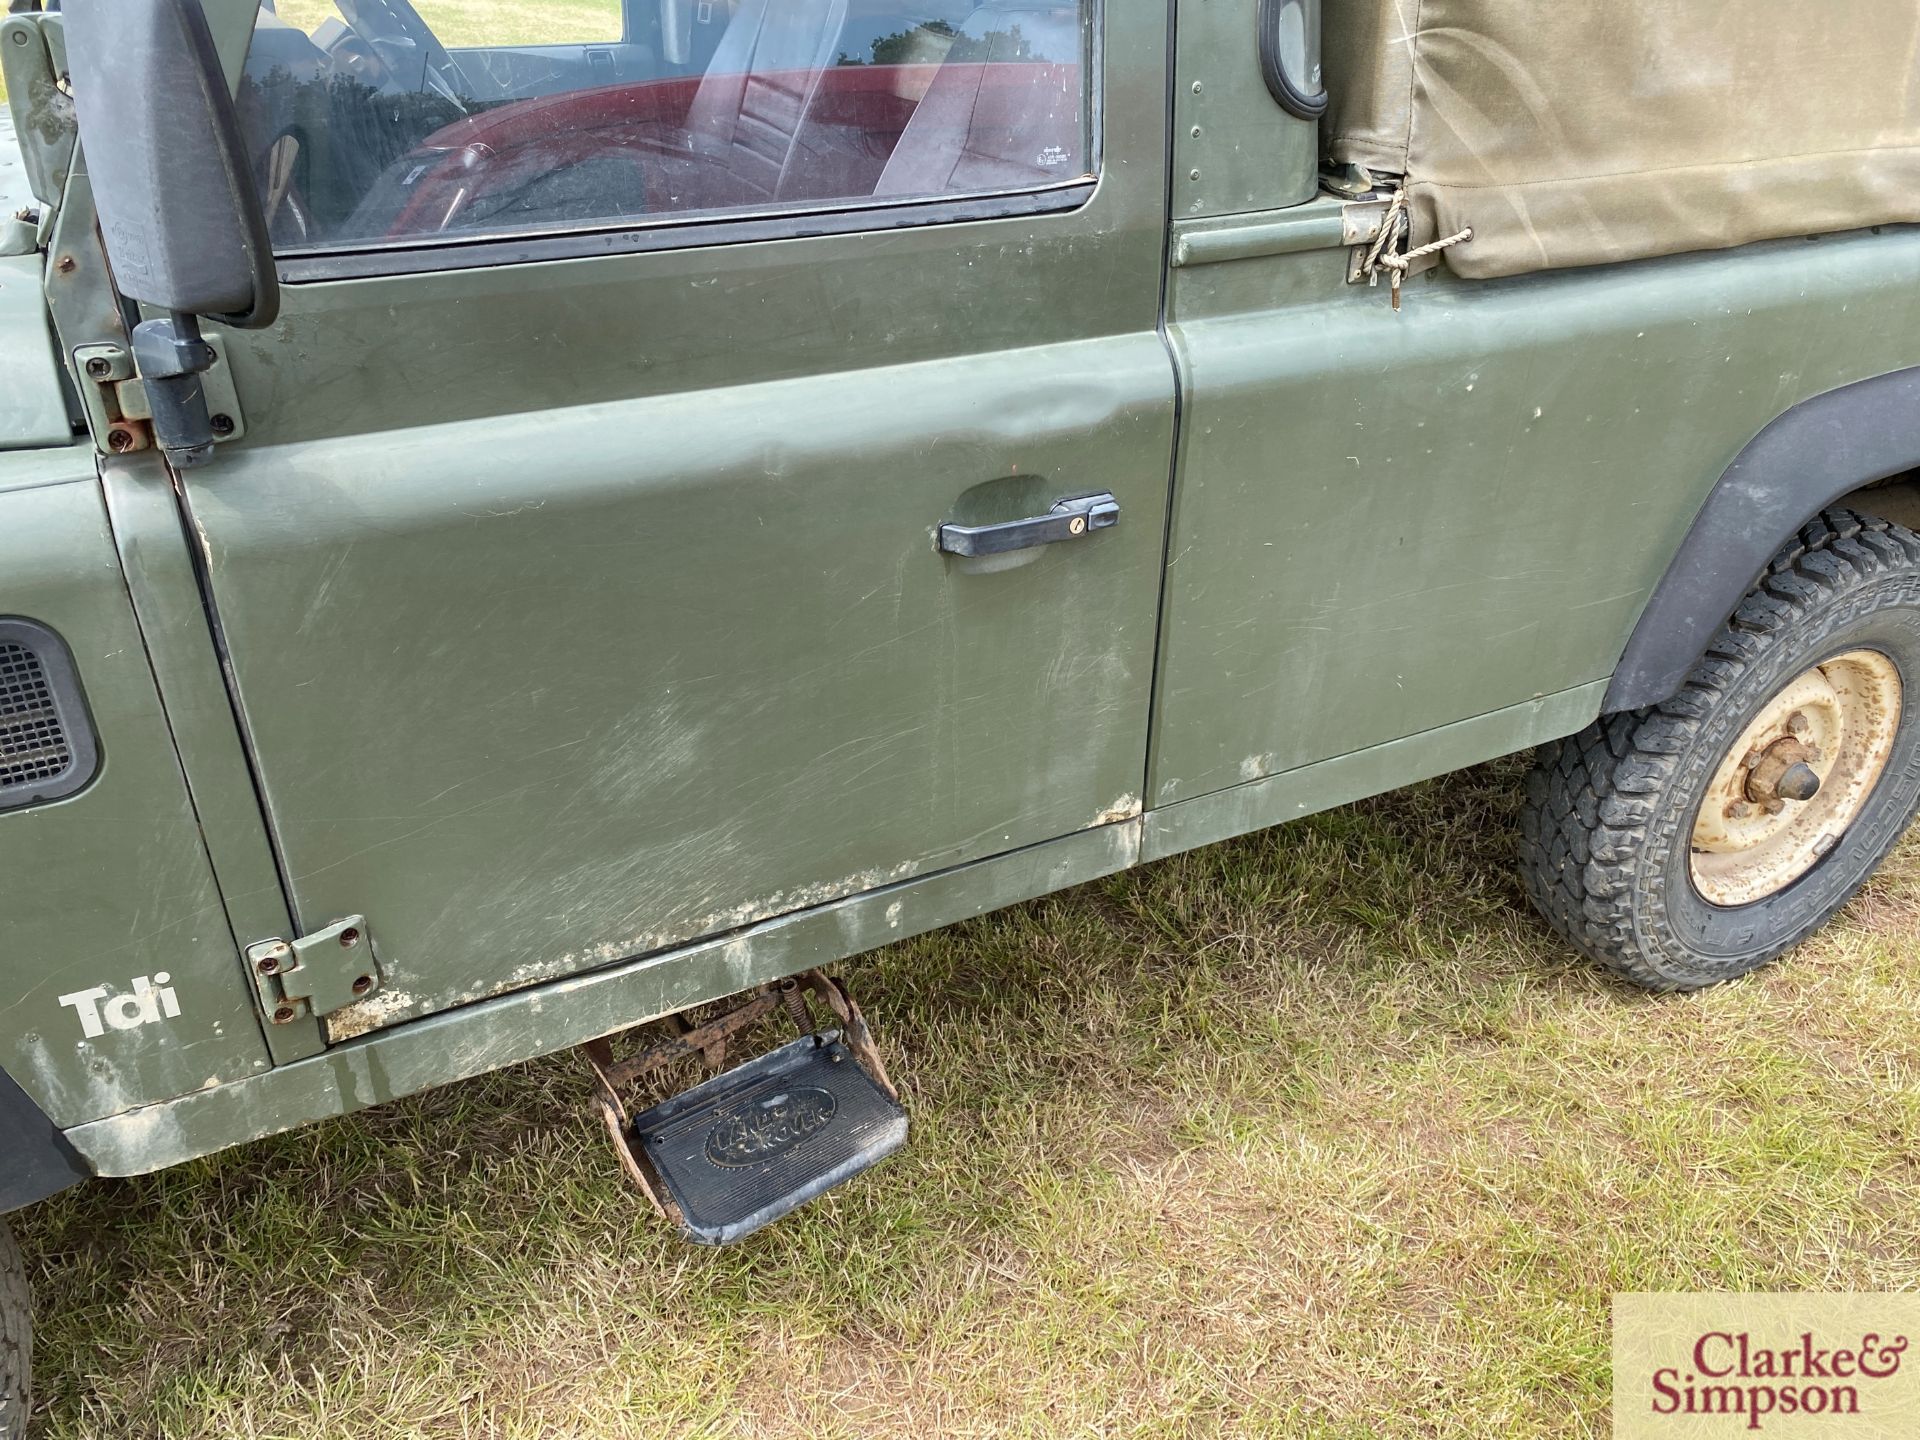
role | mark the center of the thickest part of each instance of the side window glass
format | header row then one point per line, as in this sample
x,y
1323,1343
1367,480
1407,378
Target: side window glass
x,y
407,122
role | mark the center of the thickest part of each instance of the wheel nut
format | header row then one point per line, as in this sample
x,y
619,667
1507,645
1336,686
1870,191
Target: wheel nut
x,y
1799,783
1798,723
1767,783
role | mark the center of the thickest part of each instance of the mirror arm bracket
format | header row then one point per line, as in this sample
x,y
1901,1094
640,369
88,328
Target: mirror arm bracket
x,y
171,356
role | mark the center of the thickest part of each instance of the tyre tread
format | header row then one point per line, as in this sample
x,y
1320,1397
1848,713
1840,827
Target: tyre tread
x,y
1591,797
16,1339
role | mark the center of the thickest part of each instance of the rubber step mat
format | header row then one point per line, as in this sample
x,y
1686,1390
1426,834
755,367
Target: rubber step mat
x,y
758,1141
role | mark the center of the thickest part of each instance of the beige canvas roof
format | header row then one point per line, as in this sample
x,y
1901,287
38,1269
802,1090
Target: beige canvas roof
x,y
1574,132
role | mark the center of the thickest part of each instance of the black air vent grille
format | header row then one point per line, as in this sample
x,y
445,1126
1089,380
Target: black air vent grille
x,y
47,745
33,742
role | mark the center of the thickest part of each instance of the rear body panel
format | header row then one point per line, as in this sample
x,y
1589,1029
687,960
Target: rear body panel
x,y
1387,521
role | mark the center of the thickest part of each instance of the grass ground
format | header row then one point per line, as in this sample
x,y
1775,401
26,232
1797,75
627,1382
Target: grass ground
x,y
1314,1133
491,22
483,22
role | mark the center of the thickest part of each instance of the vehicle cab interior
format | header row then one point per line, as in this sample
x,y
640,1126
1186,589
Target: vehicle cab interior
x,y
368,127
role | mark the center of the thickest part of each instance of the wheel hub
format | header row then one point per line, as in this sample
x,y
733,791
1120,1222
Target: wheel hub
x,y
1796,778
1784,771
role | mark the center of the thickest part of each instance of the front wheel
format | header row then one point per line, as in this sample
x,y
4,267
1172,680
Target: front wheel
x,y
1700,838
16,1339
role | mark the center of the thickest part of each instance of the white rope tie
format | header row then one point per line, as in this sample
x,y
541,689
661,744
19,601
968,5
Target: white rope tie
x,y
1394,228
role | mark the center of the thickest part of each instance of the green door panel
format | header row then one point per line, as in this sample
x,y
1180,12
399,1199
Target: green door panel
x,y
580,609
1388,522
542,693
112,884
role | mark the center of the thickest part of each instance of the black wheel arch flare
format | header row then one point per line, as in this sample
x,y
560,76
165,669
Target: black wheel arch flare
x,y
35,1159
1825,447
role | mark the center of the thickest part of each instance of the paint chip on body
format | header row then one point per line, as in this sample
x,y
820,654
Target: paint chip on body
x,y
372,1013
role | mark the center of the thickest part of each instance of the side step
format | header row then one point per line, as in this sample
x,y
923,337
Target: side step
x,y
750,1144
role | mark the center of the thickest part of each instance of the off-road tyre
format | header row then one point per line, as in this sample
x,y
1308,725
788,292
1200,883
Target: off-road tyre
x,y
16,1340
1608,823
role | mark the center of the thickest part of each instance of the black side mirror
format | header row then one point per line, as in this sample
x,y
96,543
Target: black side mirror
x,y
182,221
1290,56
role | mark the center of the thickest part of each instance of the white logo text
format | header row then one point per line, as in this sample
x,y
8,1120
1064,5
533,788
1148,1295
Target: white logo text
x,y
151,1000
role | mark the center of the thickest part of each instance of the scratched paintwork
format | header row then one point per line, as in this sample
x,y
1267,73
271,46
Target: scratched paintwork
x,y
589,636
391,1063
530,1022
582,609
111,883
1386,522
158,566
540,694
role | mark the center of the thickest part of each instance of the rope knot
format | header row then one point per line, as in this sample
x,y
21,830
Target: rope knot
x,y
1395,230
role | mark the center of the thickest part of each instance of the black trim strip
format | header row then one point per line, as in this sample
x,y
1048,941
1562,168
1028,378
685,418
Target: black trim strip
x,y
1803,461
371,264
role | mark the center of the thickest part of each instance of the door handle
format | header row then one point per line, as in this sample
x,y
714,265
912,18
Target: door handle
x,y
1067,520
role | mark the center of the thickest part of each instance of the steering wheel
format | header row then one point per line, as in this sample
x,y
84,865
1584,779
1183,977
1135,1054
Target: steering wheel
x,y
396,31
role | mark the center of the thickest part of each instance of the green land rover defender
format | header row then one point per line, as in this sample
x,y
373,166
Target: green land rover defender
x,y
515,529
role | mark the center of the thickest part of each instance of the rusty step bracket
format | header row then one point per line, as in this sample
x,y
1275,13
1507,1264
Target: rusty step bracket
x,y
749,1144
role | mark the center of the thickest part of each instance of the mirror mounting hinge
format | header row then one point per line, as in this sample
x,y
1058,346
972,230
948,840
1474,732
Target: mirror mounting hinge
x,y
171,357
315,975
119,410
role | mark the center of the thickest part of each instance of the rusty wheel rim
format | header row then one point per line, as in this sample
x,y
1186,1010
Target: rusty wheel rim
x,y
1796,778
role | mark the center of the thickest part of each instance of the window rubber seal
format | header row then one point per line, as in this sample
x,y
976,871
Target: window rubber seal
x,y
692,233
1289,96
